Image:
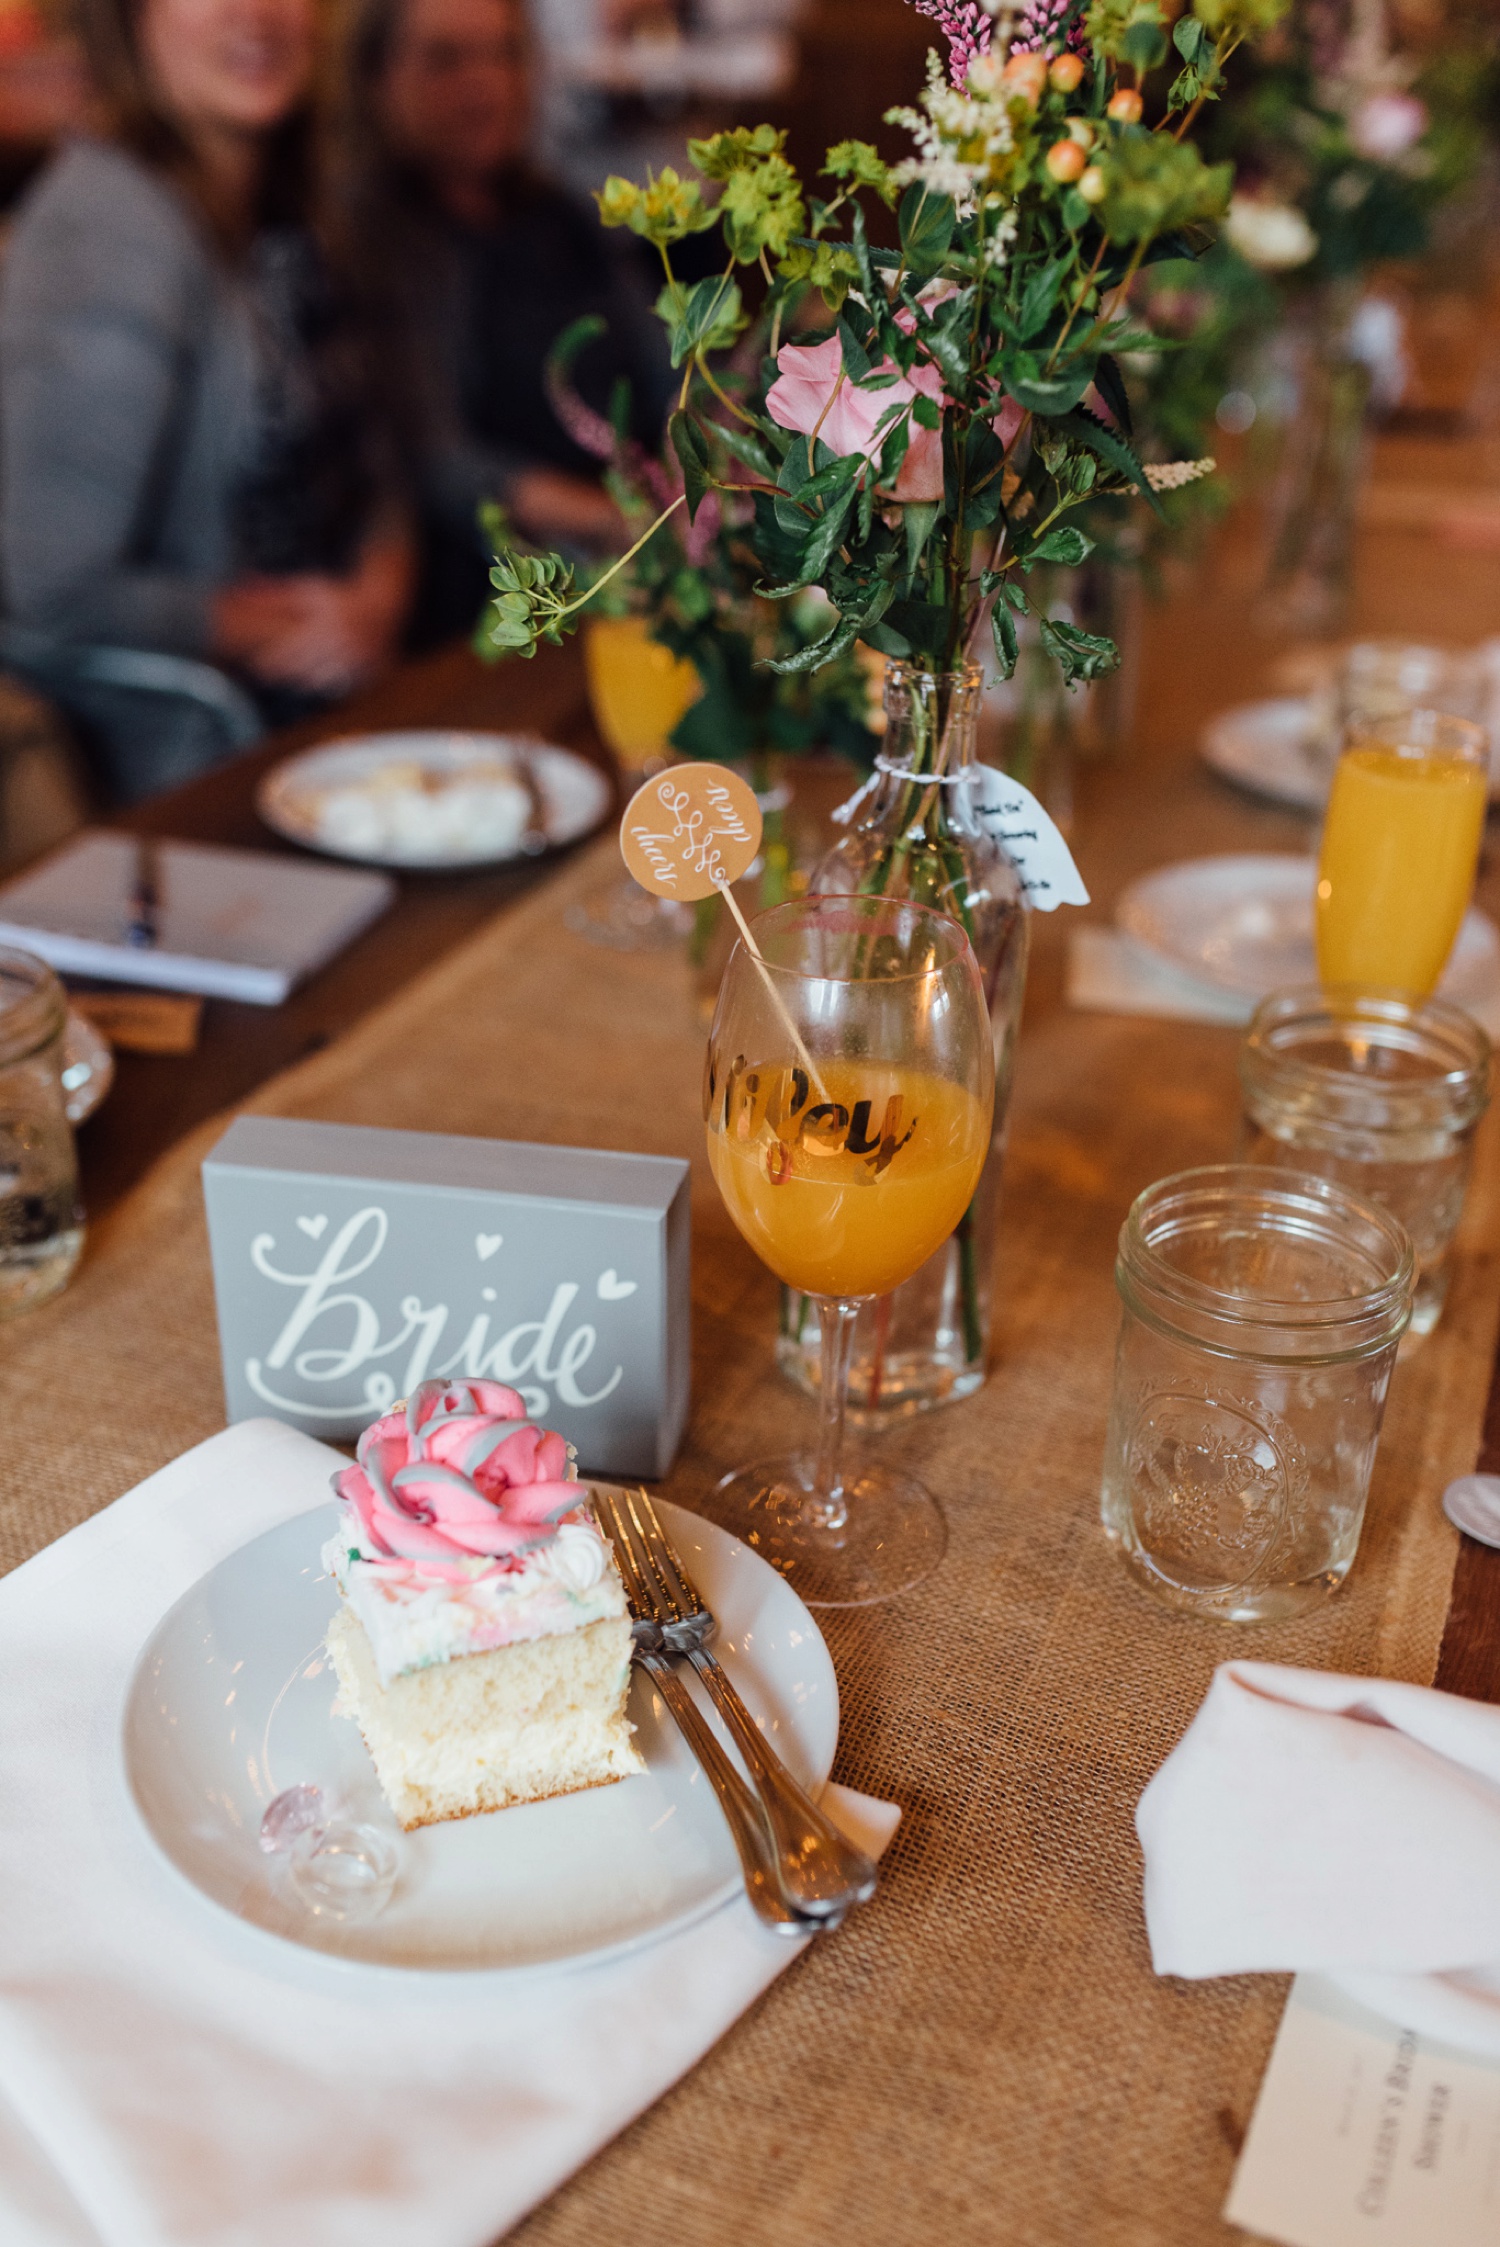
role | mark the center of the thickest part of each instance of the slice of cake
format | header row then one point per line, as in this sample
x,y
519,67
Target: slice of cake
x,y
483,1644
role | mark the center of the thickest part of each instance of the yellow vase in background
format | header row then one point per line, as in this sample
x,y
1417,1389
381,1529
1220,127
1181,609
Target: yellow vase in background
x,y
1400,850
637,690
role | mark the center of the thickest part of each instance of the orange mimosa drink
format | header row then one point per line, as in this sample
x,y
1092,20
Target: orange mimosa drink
x,y
637,689
1400,847
845,1195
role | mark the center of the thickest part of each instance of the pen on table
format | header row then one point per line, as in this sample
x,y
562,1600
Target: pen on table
x,y
143,926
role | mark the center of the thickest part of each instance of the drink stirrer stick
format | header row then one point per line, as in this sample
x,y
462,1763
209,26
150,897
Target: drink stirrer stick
x,y
766,977
692,831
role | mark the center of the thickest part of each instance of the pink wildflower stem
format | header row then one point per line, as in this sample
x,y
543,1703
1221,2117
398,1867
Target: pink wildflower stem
x,y
965,26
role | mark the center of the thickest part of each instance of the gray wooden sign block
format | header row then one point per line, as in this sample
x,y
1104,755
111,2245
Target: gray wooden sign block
x,y
351,1264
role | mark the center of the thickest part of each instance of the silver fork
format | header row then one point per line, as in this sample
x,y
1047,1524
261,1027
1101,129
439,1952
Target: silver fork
x,y
742,1812
820,1873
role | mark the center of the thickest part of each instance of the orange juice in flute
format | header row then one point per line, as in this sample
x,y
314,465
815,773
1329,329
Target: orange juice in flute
x,y
1400,848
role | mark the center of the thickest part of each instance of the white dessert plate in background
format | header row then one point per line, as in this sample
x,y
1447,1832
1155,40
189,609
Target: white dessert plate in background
x,y
231,1702
1262,746
88,1067
1268,748
573,795
1245,924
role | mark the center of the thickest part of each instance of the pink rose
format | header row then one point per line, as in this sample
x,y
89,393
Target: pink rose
x,y
460,1474
1386,126
811,393
1007,421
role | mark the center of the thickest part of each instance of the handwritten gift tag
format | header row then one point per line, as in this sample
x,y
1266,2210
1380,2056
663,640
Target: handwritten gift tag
x,y
1031,837
1032,841
351,1264
690,831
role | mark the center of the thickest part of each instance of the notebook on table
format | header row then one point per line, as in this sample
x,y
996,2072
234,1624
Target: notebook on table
x,y
230,924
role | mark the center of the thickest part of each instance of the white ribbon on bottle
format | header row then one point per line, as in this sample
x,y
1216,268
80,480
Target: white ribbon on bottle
x,y
1026,832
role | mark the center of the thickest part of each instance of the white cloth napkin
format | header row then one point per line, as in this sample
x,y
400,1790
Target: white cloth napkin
x,y
1344,1824
1108,972
164,2076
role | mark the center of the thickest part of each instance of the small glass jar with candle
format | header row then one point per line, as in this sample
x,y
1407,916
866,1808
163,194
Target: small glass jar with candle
x,y
1380,1093
1261,1314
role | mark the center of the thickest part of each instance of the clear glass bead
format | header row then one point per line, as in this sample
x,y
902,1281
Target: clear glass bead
x,y
344,1870
291,1813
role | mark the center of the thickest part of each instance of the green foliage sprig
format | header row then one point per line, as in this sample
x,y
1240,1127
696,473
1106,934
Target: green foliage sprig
x,y
916,459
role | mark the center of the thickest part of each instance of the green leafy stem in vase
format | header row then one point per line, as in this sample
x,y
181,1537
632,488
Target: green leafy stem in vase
x,y
915,450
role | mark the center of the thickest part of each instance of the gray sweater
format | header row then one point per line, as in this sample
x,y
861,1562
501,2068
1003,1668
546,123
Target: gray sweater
x,y
132,407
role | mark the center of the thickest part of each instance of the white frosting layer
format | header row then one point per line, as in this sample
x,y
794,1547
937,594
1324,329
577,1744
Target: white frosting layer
x,y
414,1619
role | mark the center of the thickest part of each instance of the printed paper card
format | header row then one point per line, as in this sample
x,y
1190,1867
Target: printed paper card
x,y
1366,2134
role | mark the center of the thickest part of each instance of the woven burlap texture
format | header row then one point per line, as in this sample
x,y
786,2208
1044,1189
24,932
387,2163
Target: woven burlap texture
x,y
984,2053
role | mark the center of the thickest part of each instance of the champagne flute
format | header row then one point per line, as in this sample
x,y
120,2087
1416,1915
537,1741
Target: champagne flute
x,y
1400,848
638,690
848,1095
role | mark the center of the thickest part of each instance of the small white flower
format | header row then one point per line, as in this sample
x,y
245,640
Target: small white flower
x,y
1171,475
1273,236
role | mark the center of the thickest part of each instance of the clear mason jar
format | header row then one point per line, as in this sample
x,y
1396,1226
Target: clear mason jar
x,y
1262,1311
918,833
41,1225
1379,1092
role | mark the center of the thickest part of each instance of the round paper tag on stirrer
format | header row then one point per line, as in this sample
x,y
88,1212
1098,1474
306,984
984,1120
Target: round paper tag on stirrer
x,y
690,831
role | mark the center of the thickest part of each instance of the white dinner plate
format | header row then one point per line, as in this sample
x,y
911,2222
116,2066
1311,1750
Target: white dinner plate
x,y
1271,748
1263,746
1246,925
574,795
231,1703
88,1067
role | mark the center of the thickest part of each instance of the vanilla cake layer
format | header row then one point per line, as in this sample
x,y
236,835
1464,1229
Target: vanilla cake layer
x,y
542,1717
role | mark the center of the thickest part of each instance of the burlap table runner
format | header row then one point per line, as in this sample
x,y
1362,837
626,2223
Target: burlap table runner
x,y
984,2054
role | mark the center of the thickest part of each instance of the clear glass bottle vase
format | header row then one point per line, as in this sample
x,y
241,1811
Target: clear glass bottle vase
x,y
918,832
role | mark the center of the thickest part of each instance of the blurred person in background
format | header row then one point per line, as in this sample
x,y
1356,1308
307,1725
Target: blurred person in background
x,y
472,266
188,463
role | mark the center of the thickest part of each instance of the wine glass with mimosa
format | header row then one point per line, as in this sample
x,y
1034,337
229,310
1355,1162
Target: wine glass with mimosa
x,y
848,1095
1400,848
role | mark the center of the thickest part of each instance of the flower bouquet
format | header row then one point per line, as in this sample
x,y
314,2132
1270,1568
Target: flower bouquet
x,y
691,593
1343,150
942,391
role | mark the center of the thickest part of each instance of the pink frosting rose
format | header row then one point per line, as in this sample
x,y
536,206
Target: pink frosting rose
x,y
460,1474
811,375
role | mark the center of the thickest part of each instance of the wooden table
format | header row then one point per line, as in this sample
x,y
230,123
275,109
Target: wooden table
x,y
1201,653
156,1099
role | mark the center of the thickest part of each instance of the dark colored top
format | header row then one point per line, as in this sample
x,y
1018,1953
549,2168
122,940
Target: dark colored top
x,y
477,312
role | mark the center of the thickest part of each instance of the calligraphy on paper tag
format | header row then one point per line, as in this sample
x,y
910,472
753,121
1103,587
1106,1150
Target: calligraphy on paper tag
x,y
690,831
1032,841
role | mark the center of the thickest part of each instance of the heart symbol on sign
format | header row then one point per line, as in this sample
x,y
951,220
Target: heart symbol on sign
x,y
612,1289
314,1227
487,1243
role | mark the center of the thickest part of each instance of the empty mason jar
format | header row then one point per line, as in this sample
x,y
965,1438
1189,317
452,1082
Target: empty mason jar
x,y
41,1225
1379,1092
1262,1310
